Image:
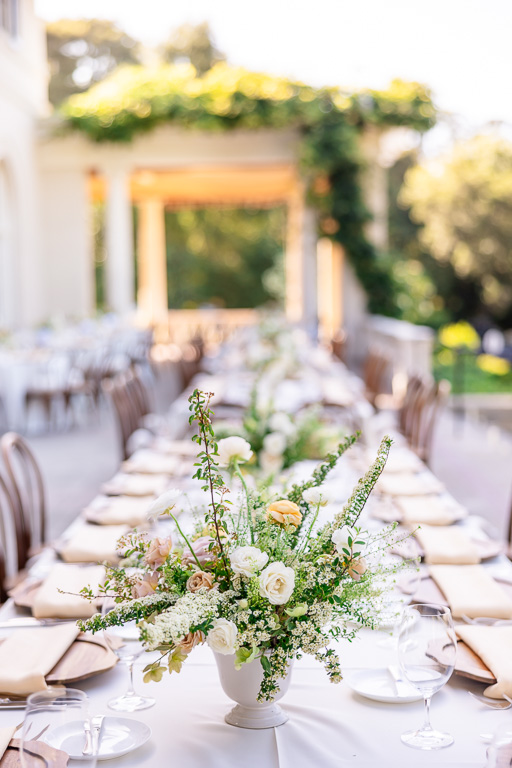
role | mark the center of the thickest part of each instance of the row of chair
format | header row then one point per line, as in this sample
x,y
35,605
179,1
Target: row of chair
x,y
130,398
422,404
22,508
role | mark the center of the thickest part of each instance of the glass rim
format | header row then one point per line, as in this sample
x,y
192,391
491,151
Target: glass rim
x,y
437,606
62,695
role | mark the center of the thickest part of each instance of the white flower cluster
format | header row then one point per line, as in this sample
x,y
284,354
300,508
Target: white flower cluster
x,y
171,626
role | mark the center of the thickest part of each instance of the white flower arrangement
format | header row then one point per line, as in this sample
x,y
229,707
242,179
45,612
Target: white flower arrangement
x,y
265,584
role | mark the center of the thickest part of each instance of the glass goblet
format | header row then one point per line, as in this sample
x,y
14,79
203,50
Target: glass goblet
x,y
125,642
427,648
58,717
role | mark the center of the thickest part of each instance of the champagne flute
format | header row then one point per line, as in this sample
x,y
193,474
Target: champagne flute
x,y
427,648
58,717
125,642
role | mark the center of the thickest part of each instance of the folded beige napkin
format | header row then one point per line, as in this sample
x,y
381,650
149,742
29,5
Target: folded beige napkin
x,y
6,735
150,463
116,510
400,460
135,485
93,544
447,545
492,645
408,484
471,591
49,603
27,655
334,392
433,510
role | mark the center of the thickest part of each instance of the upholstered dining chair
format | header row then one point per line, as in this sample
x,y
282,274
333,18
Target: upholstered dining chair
x,y
28,493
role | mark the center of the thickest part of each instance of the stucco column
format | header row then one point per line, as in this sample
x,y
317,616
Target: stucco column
x,y
330,257
375,187
119,243
152,263
300,263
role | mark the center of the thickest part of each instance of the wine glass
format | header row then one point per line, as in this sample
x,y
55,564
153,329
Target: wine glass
x,y
427,648
500,750
58,717
125,642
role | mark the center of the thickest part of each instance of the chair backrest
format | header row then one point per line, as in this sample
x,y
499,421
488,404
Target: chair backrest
x,y
375,372
428,403
28,492
9,515
130,399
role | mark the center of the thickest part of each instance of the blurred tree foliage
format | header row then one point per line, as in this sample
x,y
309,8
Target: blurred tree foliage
x,y
464,206
192,44
82,52
225,256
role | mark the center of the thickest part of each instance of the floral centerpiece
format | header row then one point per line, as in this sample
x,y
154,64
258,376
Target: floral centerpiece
x,y
264,583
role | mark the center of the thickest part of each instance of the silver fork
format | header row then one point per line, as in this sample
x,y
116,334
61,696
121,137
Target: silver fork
x,y
492,703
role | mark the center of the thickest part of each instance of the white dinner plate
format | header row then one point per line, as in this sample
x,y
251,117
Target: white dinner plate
x,y
119,735
378,685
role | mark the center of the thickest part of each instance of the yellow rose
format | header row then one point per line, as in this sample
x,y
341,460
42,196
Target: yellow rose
x,y
285,513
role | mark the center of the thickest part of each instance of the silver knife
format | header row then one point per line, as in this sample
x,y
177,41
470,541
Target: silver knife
x,y
402,687
97,723
30,621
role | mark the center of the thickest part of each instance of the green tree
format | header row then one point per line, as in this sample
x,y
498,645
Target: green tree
x,y
82,52
193,44
464,206
224,256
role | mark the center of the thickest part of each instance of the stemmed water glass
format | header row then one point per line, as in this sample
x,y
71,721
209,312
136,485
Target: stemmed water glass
x,y
58,717
125,642
427,648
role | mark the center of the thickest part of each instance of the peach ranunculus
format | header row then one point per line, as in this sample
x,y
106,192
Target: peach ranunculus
x,y
198,580
158,552
357,568
201,547
190,641
145,586
285,513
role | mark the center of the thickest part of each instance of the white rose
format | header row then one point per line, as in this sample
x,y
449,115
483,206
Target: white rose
x,y
222,637
233,448
316,495
277,583
281,422
341,536
248,561
163,503
274,443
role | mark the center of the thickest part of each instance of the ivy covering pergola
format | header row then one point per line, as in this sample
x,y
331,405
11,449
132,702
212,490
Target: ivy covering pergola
x,y
136,99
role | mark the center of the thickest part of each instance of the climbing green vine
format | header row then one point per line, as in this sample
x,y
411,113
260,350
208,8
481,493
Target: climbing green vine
x,y
136,99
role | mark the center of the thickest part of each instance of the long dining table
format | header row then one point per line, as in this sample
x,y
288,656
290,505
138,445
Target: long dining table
x,y
329,725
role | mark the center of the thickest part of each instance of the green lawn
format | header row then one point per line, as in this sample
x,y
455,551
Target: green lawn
x,y
475,380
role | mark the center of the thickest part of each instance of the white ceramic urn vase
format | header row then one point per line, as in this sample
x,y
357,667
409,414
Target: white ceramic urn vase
x,y
243,686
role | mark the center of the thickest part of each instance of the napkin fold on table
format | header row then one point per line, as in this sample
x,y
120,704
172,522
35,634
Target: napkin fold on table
x,y
27,655
49,603
6,735
492,645
135,485
409,484
471,591
116,510
149,462
447,545
432,510
93,544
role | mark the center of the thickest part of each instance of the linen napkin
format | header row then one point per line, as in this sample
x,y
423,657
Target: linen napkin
x,y
447,545
6,735
116,510
27,655
148,462
93,544
471,591
49,603
492,645
135,485
408,484
432,510
399,461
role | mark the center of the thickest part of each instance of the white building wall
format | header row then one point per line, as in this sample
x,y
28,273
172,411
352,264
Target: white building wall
x,y
22,101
